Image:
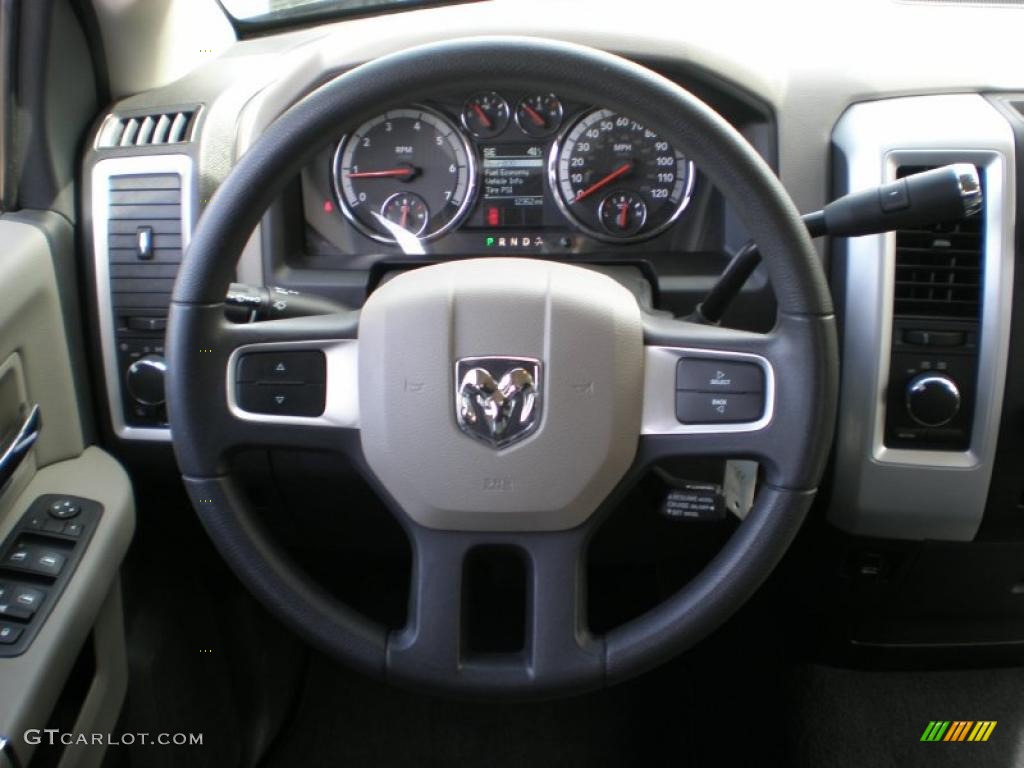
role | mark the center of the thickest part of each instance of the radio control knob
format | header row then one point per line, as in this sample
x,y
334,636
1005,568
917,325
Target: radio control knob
x,y
145,379
933,399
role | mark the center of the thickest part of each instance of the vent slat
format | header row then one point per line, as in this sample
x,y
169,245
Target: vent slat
x,y
130,133
939,269
160,131
157,129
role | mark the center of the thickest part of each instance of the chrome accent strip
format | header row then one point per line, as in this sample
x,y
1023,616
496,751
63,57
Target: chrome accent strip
x,y
894,492
342,401
18,447
101,175
659,408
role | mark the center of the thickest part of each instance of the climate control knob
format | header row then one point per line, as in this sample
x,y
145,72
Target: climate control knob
x,y
145,379
933,399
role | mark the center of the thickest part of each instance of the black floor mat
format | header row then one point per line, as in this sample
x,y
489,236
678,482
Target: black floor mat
x,y
850,719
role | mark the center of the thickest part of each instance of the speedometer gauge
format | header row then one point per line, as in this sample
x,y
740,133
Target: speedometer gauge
x,y
409,168
617,179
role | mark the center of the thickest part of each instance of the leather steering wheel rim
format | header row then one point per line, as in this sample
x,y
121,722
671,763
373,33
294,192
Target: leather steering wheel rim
x,y
792,448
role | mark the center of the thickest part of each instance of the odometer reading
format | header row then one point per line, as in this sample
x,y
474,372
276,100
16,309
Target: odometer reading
x,y
618,179
409,168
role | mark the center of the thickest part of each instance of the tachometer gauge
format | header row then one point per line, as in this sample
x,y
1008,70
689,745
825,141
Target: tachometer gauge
x,y
410,166
617,179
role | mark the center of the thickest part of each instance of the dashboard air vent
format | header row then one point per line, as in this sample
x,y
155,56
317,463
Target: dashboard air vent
x,y
147,130
939,268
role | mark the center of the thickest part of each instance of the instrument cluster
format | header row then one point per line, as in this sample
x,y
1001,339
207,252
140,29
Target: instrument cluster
x,y
501,164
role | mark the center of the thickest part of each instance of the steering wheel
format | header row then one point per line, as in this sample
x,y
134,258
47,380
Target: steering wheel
x,y
562,355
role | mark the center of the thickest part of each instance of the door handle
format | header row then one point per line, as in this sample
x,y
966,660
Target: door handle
x,y
14,451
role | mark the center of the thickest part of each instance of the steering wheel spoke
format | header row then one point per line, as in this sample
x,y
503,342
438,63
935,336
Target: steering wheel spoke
x,y
718,392
276,384
433,649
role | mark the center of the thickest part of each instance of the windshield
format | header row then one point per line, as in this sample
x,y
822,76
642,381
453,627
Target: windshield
x,y
271,10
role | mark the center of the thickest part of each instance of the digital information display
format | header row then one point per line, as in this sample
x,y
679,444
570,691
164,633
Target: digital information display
x,y
513,185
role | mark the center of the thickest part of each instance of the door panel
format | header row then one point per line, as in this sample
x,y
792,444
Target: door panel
x,y
32,326
77,623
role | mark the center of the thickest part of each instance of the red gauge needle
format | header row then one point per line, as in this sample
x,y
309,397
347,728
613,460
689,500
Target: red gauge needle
x,y
620,171
390,173
623,215
405,217
482,115
537,117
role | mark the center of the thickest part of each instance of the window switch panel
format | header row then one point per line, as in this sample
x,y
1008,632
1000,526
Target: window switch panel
x,y
37,560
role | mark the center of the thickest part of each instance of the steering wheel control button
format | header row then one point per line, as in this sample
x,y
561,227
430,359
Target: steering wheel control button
x,y
305,367
718,407
64,509
281,399
719,376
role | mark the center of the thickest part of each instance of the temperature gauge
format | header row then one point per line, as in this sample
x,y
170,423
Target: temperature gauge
x,y
539,115
485,115
623,213
407,210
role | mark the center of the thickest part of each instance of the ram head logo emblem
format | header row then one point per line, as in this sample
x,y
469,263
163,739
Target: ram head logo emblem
x,y
497,399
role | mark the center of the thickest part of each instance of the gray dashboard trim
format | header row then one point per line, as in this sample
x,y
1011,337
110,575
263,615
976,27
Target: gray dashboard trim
x,y
101,175
919,494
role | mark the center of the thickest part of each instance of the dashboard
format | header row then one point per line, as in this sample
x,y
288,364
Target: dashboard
x,y
510,171
494,168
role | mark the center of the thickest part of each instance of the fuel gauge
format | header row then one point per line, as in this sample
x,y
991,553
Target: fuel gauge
x,y
539,115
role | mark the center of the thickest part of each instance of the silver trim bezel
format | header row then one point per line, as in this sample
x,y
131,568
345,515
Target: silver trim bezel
x,y
913,493
997,302
659,406
342,387
101,174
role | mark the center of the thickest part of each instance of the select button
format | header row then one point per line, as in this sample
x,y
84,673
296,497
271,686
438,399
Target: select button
x,y
703,375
